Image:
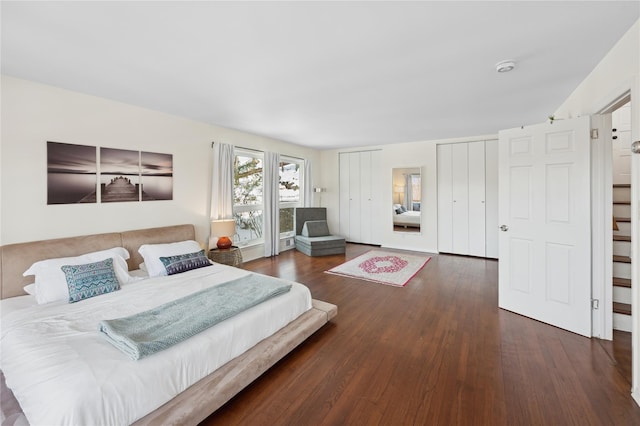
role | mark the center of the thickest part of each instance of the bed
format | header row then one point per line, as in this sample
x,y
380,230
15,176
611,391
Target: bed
x,y
404,217
179,385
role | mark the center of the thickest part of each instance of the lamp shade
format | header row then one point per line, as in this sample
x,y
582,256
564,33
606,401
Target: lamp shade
x,y
223,229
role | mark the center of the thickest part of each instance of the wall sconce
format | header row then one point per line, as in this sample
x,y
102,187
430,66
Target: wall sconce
x,y
224,230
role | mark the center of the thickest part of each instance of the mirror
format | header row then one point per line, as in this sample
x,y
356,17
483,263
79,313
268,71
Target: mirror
x,y
407,195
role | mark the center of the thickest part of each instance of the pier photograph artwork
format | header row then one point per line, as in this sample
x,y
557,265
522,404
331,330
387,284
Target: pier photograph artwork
x,y
156,176
119,175
124,175
71,173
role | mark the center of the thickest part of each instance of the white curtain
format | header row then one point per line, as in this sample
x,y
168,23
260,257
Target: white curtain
x,y
408,192
308,184
222,182
271,204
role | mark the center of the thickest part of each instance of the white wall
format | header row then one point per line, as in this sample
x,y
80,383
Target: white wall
x,y
405,155
33,114
618,73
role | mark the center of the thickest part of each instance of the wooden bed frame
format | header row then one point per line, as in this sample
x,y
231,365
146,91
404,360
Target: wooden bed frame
x,y
207,395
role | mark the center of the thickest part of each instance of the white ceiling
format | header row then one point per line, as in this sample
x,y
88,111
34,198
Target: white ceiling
x,y
320,74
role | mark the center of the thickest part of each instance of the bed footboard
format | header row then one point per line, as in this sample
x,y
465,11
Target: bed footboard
x,y
203,398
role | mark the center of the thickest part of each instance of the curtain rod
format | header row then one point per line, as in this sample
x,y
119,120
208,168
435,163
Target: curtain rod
x,y
257,150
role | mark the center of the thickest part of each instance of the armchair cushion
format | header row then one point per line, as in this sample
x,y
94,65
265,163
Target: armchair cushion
x,y
315,228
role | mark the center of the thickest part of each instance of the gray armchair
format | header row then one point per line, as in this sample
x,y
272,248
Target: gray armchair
x,y
312,233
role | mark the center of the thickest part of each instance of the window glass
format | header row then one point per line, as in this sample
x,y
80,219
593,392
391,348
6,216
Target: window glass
x,y
248,197
290,194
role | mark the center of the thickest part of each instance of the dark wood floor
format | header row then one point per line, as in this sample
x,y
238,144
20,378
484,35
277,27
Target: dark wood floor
x,y
436,352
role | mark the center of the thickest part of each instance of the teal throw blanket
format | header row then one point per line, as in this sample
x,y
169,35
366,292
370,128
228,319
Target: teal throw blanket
x,y
151,331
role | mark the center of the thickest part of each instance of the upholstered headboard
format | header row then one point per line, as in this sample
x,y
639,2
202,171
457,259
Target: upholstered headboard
x,y
304,214
17,258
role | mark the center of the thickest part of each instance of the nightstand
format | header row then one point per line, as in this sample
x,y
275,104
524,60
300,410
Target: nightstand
x,y
231,256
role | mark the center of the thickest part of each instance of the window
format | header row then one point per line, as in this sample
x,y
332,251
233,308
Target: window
x,y
290,197
248,201
247,197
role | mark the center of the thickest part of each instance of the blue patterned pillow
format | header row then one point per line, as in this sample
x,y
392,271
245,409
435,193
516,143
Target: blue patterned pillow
x,y
185,262
91,279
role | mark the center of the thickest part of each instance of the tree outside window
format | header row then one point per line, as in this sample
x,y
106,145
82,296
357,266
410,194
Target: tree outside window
x,y
247,197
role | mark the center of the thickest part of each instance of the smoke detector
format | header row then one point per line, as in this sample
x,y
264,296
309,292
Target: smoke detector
x,y
505,66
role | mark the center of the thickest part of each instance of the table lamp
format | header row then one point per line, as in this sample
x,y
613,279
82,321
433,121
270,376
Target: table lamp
x,y
223,229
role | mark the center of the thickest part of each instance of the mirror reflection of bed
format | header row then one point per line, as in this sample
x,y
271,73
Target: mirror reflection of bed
x,y
407,196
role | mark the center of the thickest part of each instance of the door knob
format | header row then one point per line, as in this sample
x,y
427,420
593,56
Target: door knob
x,y
504,228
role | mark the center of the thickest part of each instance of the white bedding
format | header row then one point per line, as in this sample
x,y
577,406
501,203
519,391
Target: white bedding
x,y
62,371
408,218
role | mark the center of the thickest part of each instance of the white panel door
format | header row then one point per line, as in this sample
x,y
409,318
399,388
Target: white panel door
x,y
491,198
544,209
621,126
475,151
375,206
344,194
460,193
354,198
365,197
445,199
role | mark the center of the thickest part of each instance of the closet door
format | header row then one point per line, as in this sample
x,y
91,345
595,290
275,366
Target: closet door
x,y
491,198
359,204
374,209
460,194
355,201
445,198
344,194
476,218
365,197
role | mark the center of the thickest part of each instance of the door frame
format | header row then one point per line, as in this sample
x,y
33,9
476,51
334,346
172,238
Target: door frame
x,y
628,91
602,215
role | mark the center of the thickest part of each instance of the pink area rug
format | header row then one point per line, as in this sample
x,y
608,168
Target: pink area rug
x,y
384,267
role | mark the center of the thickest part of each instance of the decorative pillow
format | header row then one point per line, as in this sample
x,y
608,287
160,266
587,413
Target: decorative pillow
x,y
403,209
30,289
51,283
315,228
151,254
90,279
185,262
398,211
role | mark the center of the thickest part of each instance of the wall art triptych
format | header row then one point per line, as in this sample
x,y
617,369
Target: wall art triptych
x,y
124,175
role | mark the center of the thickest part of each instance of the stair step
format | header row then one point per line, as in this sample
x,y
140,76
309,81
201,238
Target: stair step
x,y
622,259
624,203
622,308
622,185
622,238
622,282
622,219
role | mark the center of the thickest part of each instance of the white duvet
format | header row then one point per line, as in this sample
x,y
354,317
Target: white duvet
x,y
407,218
63,371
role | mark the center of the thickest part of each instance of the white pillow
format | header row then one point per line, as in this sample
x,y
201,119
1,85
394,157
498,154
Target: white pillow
x,y
51,283
30,289
151,254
